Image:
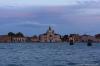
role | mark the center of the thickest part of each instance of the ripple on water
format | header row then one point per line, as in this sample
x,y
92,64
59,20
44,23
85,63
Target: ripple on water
x,y
58,54
15,65
59,65
72,64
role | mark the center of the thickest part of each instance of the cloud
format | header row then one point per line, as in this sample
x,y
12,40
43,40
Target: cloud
x,y
79,18
27,24
22,3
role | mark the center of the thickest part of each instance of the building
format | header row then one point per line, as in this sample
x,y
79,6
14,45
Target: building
x,y
4,39
19,39
75,37
50,36
65,38
35,39
85,38
97,36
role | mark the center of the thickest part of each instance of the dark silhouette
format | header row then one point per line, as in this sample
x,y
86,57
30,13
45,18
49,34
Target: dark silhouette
x,y
71,42
19,34
97,36
64,38
28,39
89,43
11,35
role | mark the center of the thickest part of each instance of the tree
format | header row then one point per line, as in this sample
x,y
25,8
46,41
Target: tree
x,y
19,34
65,38
11,35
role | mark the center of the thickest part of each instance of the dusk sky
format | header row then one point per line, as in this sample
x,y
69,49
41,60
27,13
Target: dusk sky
x,y
64,16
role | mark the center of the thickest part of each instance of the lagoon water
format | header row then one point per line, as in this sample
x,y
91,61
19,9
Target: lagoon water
x,y
49,54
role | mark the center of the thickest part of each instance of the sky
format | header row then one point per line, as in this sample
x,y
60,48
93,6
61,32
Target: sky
x,y
33,17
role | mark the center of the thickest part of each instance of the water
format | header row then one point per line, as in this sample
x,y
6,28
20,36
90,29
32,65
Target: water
x,y
49,54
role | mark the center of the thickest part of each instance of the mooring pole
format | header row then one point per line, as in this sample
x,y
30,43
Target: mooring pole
x,y
71,41
89,43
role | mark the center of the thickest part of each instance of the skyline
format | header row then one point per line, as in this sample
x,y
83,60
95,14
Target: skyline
x,y
49,28
65,16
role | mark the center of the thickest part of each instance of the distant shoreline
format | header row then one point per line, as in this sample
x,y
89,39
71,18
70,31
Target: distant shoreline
x,y
44,42
50,36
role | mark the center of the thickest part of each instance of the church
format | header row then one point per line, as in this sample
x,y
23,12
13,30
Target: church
x,y
50,36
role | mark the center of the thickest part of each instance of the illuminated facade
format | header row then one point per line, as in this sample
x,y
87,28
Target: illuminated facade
x,y
50,36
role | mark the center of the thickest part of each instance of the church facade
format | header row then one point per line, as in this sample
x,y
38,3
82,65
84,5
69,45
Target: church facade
x,y
50,36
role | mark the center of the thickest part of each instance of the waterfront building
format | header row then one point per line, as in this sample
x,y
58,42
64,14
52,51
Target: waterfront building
x,y
97,36
75,37
4,39
35,39
50,36
19,39
85,38
65,38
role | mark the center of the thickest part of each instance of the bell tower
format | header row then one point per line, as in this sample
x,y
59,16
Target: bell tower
x,y
50,31
49,28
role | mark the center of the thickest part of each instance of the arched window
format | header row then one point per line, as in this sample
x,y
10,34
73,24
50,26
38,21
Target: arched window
x,y
50,35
